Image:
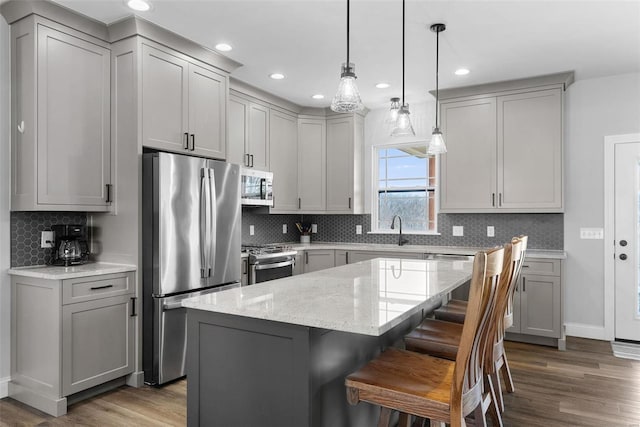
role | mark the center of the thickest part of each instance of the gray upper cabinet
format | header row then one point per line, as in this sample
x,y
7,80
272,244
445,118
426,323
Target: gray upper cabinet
x,y
345,177
283,144
248,133
312,164
468,169
61,146
183,104
530,150
504,151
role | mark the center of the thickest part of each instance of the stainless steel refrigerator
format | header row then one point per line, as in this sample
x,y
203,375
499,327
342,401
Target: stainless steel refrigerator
x,y
191,217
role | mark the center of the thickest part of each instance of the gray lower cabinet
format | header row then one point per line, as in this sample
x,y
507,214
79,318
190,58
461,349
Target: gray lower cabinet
x,y
298,268
318,259
61,120
350,256
68,336
537,301
244,278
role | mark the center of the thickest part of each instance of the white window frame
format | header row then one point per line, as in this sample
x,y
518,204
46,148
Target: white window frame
x,y
374,190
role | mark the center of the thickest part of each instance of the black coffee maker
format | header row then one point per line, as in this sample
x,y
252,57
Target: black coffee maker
x,y
71,246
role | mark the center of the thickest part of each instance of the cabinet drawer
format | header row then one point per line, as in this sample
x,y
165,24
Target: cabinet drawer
x,y
90,288
543,267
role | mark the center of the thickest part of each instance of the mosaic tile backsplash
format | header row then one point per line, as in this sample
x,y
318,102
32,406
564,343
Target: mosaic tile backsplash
x,y
545,231
25,234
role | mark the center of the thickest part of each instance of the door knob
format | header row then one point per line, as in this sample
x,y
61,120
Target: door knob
x,y
623,256
623,243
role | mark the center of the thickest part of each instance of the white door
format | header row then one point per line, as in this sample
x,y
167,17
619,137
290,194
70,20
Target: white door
x,y
627,239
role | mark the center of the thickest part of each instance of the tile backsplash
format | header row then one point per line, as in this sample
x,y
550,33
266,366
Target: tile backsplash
x,y
25,234
545,231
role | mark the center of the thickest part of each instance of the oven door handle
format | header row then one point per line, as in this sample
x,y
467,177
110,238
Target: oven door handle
x,y
274,265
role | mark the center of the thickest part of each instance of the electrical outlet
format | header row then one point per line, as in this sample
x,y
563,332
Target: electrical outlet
x,y
358,229
491,231
314,228
284,228
46,239
458,230
592,233
252,230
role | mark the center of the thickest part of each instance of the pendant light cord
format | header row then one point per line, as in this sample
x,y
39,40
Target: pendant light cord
x,y
402,53
347,35
437,67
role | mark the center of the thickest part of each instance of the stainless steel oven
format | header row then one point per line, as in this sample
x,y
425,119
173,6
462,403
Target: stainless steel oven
x,y
270,262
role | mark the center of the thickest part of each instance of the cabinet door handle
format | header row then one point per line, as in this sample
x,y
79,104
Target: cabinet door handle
x,y
500,199
246,160
299,203
349,202
252,160
493,199
185,141
524,284
346,257
245,270
95,288
306,257
109,193
133,307
193,141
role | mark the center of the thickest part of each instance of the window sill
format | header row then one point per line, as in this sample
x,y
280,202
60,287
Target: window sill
x,y
420,233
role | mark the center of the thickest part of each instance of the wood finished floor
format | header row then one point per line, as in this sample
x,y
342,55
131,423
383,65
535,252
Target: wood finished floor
x,y
584,386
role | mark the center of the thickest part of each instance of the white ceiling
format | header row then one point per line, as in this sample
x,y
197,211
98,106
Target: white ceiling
x,y
305,40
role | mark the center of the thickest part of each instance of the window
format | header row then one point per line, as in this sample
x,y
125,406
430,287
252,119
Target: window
x,y
405,185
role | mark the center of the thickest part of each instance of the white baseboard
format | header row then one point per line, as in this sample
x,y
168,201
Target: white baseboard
x,y
626,350
582,330
4,387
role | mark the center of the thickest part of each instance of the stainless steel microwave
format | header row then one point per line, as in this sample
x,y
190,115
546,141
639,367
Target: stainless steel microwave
x,y
257,188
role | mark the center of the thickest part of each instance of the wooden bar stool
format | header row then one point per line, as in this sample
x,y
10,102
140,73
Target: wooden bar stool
x,y
429,387
441,338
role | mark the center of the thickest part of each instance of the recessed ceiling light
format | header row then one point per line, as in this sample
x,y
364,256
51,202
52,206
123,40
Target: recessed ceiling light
x,y
139,5
382,85
318,96
223,47
461,72
277,76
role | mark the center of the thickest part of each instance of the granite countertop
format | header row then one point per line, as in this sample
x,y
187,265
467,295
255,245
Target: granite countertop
x,y
60,272
451,250
368,297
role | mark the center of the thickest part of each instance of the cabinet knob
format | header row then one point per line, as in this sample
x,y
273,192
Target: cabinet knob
x,y
623,257
623,243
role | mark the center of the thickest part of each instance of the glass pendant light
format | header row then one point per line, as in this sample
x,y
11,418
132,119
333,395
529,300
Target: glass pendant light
x,y
403,123
436,145
392,116
347,99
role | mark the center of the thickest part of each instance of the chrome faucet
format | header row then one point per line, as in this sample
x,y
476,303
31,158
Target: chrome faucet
x,y
401,241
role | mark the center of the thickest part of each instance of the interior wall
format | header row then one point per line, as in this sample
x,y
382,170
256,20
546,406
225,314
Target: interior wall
x,y
595,108
5,180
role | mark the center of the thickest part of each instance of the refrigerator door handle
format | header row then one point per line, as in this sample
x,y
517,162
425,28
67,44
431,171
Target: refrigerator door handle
x,y
213,209
205,213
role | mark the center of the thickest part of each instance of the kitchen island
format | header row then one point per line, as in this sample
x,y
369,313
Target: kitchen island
x,y
276,353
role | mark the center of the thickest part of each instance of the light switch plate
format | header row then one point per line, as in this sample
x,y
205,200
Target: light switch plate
x,y
592,233
358,229
314,228
458,230
491,231
46,239
252,230
284,228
